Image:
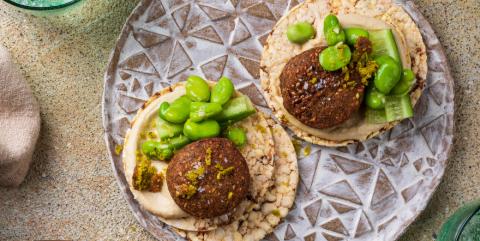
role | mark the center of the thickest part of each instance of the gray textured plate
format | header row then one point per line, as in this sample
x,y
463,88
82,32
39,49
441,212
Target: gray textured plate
x,y
366,191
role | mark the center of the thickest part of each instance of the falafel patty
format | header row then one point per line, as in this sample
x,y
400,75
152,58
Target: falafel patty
x,y
316,97
208,178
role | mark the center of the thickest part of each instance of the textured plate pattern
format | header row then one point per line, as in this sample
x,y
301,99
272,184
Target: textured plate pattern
x,y
366,191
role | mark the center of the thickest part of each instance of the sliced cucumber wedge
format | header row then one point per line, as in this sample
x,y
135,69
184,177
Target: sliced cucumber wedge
x,y
178,142
236,109
166,129
375,116
383,43
398,107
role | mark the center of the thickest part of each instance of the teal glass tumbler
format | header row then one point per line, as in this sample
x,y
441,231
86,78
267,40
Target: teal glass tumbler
x,y
42,4
463,225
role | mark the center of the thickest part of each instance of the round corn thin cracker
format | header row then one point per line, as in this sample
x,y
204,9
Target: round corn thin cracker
x,y
261,218
258,152
278,51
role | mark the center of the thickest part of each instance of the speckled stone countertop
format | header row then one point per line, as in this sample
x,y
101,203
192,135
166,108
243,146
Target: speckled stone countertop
x,y
70,192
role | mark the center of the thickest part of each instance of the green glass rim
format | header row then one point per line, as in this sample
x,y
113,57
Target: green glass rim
x,y
465,222
41,8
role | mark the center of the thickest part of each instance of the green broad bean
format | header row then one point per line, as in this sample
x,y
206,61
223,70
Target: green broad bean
x,y
332,30
352,34
166,129
300,32
149,148
197,89
200,111
335,57
374,99
205,129
222,91
157,150
236,135
178,142
388,74
163,109
406,84
176,112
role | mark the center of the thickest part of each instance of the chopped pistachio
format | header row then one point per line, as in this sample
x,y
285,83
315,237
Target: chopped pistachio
x,y
118,149
193,175
230,195
153,124
142,175
307,150
276,212
208,156
346,73
366,71
186,191
152,135
141,157
260,128
297,145
219,166
225,172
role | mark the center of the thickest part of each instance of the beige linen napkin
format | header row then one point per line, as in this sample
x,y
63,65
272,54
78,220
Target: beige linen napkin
x,y
19,122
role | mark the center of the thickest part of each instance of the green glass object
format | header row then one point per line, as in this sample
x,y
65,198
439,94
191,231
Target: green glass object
x,y
42,4
463,225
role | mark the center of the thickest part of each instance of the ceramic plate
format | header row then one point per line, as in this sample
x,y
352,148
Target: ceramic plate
x,y
367,191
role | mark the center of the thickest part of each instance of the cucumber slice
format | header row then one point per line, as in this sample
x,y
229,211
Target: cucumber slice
x,y
178,142
236,109
383,43
375,116
398,107
166,129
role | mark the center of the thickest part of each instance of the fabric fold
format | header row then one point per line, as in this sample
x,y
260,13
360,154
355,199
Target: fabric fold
x,y
19,122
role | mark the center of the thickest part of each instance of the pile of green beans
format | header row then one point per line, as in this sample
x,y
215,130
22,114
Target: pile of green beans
x,y
338,54
390,79
201,113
